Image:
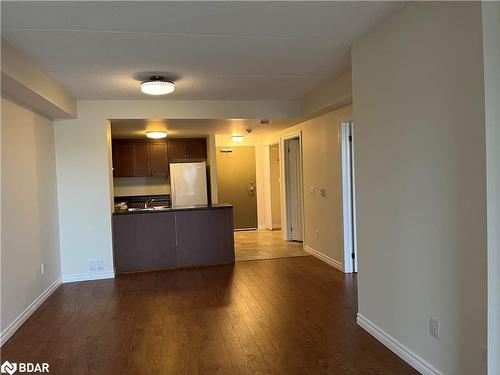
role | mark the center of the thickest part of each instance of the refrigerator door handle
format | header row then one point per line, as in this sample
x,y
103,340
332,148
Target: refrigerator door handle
x,y
172,198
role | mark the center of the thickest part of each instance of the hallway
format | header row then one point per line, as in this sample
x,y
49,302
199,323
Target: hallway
x,y
265,244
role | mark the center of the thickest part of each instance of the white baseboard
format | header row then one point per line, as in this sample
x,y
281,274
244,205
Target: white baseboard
x,y
417,362
88,276
262,226
21,318
325,258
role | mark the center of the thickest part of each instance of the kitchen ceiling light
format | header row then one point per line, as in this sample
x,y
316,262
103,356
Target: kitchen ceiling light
x,y
157,85
237,138
156,134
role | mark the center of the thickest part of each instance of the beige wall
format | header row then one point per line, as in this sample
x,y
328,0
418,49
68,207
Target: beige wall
x,y
322,169
275,186
29,229
141,186
327,97
22,80
420,178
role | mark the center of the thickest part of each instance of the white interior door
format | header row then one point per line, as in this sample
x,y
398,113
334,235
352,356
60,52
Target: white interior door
x,y
294,185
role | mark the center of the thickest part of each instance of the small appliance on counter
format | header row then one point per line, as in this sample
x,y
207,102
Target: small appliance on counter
x,y
188,184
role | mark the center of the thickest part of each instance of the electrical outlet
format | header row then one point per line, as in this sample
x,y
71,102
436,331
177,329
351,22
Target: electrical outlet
x,y
41,268
434,328
99,263
317,234
92,266
312,190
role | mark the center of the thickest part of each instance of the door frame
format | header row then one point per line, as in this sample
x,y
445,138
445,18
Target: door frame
x,y
267,187
348,197
285,228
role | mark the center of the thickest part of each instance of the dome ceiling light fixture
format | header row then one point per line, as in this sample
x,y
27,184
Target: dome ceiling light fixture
x,y
156,134
157,85
237,138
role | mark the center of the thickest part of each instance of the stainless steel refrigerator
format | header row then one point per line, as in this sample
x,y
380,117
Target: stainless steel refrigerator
x,y
188,184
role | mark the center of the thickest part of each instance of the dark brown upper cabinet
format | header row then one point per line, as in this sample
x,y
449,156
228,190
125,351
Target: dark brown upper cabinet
x,y
138,158
177,149
196,148
187,148
158,162
122,159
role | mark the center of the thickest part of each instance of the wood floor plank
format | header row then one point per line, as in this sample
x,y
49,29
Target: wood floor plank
x,y
277,316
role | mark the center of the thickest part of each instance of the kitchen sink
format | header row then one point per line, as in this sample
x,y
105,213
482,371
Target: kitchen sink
x,y
156,208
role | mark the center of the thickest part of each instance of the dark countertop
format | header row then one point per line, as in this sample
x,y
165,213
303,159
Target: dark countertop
x,y
179,208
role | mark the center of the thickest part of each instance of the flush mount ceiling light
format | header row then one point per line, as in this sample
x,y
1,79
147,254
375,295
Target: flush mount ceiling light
x,y
156,134
237,138
157,85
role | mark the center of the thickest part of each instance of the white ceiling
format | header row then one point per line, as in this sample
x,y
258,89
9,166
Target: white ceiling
x,y
216,50
125,129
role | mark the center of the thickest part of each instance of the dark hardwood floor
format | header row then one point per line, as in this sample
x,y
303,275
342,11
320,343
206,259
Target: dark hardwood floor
x,y
279,316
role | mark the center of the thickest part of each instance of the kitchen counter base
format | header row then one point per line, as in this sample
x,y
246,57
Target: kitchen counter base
x,y
173,239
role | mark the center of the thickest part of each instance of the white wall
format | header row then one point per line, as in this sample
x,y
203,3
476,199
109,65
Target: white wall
x,y
322,169
83,169
29,230
420,181
491,46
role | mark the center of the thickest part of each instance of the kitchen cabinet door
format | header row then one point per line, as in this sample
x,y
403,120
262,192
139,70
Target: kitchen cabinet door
x,y
196,148
122,159
140,159
158,159
177,149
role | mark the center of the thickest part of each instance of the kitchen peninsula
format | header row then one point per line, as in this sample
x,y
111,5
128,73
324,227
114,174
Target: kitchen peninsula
x,y
168,238
163,218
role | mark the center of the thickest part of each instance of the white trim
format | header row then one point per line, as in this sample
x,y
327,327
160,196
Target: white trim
x,y
325,258
348,204
414,360
284,207
262,226
21,318
267,188
88,276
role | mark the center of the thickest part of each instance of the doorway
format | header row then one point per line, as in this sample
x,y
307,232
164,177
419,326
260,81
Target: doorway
x,y
293,186
237,184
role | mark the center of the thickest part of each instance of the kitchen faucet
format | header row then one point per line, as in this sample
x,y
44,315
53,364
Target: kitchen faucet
x,y
148,202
